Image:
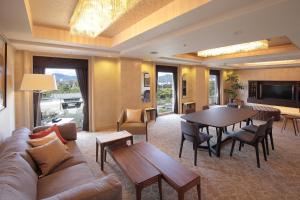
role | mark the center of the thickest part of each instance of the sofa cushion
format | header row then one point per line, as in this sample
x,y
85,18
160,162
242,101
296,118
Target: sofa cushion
x,y
17,178
49,155
18,143
106,188
64,180
76,158
49,130
43,140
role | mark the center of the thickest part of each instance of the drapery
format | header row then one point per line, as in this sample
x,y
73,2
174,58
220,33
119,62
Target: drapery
x,y
82,76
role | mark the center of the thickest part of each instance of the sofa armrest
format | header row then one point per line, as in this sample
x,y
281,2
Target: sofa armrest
x,y
106,188
68,130
120,120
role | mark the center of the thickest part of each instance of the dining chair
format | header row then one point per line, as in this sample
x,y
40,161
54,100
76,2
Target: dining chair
x,y
244,106
247,137
269,132
202,126
191,133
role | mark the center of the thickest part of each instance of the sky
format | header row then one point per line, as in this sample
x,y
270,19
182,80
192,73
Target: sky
x,y
70,72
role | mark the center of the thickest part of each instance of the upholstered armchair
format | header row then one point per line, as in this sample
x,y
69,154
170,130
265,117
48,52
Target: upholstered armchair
x,y
135,127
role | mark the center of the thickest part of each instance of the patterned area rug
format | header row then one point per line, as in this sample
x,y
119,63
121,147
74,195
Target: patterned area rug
x,y
235,177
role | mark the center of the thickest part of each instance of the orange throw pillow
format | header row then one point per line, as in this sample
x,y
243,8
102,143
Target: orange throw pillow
x,y
47,132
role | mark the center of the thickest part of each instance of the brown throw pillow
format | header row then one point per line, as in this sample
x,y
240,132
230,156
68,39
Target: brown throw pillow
x,y
133,116
49,155
41,141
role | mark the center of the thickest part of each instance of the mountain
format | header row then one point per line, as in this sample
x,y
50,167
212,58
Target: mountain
x,y
167,78
64,77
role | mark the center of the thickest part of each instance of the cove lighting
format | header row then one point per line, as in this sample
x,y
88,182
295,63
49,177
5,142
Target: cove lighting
x,y
91,17
237,48
268,63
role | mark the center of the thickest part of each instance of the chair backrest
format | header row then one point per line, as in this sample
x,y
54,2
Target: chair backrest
x,y
232,105
206,107
269,125
142,115
261,132
191,132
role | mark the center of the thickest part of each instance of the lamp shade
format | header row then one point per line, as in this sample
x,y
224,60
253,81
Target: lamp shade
x,y
38,83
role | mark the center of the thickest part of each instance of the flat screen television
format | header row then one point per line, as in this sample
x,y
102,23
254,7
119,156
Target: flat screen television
x,y
277,92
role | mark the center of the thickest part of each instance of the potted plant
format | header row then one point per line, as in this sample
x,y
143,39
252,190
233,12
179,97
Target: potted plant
x,y
234,85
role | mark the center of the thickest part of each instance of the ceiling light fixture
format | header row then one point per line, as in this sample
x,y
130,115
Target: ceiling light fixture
x,y
268,63
91,17
237,48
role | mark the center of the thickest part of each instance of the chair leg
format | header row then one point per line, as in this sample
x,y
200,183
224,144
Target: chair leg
x,y
233,127
146,136
284,124
293,120
208,146
240,146
207,130
271,138
195,157
264,149
232,147
180,151
267,144
240,124
257,155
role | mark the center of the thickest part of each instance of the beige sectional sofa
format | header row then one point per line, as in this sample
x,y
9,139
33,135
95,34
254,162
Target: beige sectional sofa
x,y
72,179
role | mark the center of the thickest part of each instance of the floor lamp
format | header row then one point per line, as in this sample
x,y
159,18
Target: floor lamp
x,y
38,83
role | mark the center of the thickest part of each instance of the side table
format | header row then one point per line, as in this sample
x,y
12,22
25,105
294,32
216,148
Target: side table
x,y
111,140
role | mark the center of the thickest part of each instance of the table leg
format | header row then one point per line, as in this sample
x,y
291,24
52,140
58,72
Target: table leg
x,y
138,191
159,188
180,195
284,123
248,122
97,151
219,141
131,140
293,120
199,191
102,156
296,122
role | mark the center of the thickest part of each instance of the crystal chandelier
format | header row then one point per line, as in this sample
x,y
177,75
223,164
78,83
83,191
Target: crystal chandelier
x,y
91,17
238,48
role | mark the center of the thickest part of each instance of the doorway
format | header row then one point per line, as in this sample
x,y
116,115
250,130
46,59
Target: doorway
x,y
166,90
214,87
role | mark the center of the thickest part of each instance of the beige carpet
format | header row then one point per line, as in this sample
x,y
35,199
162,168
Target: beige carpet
x,y
227,177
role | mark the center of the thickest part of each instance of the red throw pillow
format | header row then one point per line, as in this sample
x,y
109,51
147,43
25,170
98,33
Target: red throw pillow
x,y
48,131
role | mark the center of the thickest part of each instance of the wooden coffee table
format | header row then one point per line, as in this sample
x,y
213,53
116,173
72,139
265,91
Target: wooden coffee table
x,y
109,140
175,174
139,170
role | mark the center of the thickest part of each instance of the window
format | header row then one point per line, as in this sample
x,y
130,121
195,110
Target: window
x,y
64,103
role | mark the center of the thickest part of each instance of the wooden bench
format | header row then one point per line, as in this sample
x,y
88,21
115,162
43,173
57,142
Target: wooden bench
x,y
175,174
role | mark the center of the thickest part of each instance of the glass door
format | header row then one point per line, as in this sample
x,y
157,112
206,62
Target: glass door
x,y
214,87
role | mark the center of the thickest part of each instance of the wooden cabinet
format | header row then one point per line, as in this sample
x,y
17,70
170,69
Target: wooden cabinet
x,y
188,107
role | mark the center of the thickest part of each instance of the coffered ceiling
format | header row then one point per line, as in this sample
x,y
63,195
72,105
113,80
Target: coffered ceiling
x,y
169,27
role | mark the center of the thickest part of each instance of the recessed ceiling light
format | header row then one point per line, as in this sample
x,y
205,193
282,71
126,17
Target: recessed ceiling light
x,y
237,48
153,52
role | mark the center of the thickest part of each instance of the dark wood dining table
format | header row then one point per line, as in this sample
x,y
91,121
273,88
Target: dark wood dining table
x,y
220,118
